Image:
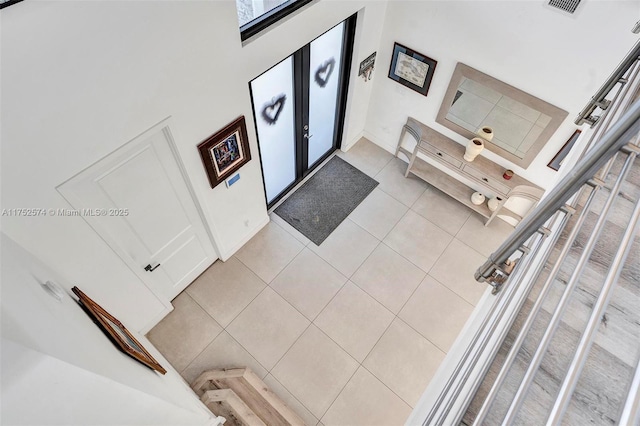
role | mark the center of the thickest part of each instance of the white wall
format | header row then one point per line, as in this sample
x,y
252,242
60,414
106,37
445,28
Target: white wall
x,y
559,58
41,390
80,79
59,368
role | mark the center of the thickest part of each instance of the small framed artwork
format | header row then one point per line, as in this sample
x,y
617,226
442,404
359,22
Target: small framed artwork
x,y
556,162
116,332
224,152
411,69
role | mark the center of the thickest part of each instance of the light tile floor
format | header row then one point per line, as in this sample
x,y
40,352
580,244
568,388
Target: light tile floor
x,y
350,332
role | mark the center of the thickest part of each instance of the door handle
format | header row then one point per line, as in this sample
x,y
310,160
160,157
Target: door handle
x,y
308,136
150,268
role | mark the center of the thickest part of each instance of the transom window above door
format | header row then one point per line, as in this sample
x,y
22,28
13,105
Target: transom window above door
x,y
256,15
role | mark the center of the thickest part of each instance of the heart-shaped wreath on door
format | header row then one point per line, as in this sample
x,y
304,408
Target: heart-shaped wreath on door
x,y
324,71
271,111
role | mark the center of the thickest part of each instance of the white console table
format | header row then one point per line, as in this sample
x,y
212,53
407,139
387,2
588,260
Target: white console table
x,y
441,165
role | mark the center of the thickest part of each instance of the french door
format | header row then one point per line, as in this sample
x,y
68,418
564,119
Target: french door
x,y
298,108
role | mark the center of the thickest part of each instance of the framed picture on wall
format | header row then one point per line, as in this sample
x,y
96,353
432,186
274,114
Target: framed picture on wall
x,y
224,152
411,69
556,162
116,332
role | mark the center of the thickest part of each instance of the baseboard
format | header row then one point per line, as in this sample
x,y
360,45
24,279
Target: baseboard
x,y
147,328
346,147
391,148
226,255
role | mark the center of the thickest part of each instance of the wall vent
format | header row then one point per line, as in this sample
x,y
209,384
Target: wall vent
x,y
566,5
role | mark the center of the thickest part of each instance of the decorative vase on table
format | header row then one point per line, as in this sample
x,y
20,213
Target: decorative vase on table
x,y
493,203
474,147
477,198
486,133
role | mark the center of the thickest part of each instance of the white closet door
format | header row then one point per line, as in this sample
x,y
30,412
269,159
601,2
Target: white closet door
x,y
140,204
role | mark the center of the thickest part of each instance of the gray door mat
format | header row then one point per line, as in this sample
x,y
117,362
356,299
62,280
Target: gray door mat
x,y
326,199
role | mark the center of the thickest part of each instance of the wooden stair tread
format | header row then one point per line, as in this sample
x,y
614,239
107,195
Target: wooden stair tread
x,y
225,403
253,391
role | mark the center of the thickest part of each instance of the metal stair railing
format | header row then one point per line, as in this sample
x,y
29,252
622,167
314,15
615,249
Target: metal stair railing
x,y
494,271
571,238
599,100
534,239
631,412
615,140
562,305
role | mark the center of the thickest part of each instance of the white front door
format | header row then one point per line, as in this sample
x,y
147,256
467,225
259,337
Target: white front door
x,y
138,200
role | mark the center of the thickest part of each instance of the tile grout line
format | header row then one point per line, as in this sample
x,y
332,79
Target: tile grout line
x,y
392,391
465,222
468,246
280,359
340,392
286,301
224,328
339,346
369,353
291,304
304,243
395,316
419,267
440,255
239,344
427,274
312,322
391,195
360,264
205,346
386,386
412,293
369,255
406,258
294,397
348,380
328,303
394,225
425,337
449,288
376,300
434,223
283,268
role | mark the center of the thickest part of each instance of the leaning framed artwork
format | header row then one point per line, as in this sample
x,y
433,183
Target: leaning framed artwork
x,y
116,332
411,69
556,162
224,152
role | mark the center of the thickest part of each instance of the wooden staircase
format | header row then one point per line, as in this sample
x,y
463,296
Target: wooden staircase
x,y
606,378
241,397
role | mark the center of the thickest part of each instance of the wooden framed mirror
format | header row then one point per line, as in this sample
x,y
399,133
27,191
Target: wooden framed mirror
x,y
522,124
116,332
